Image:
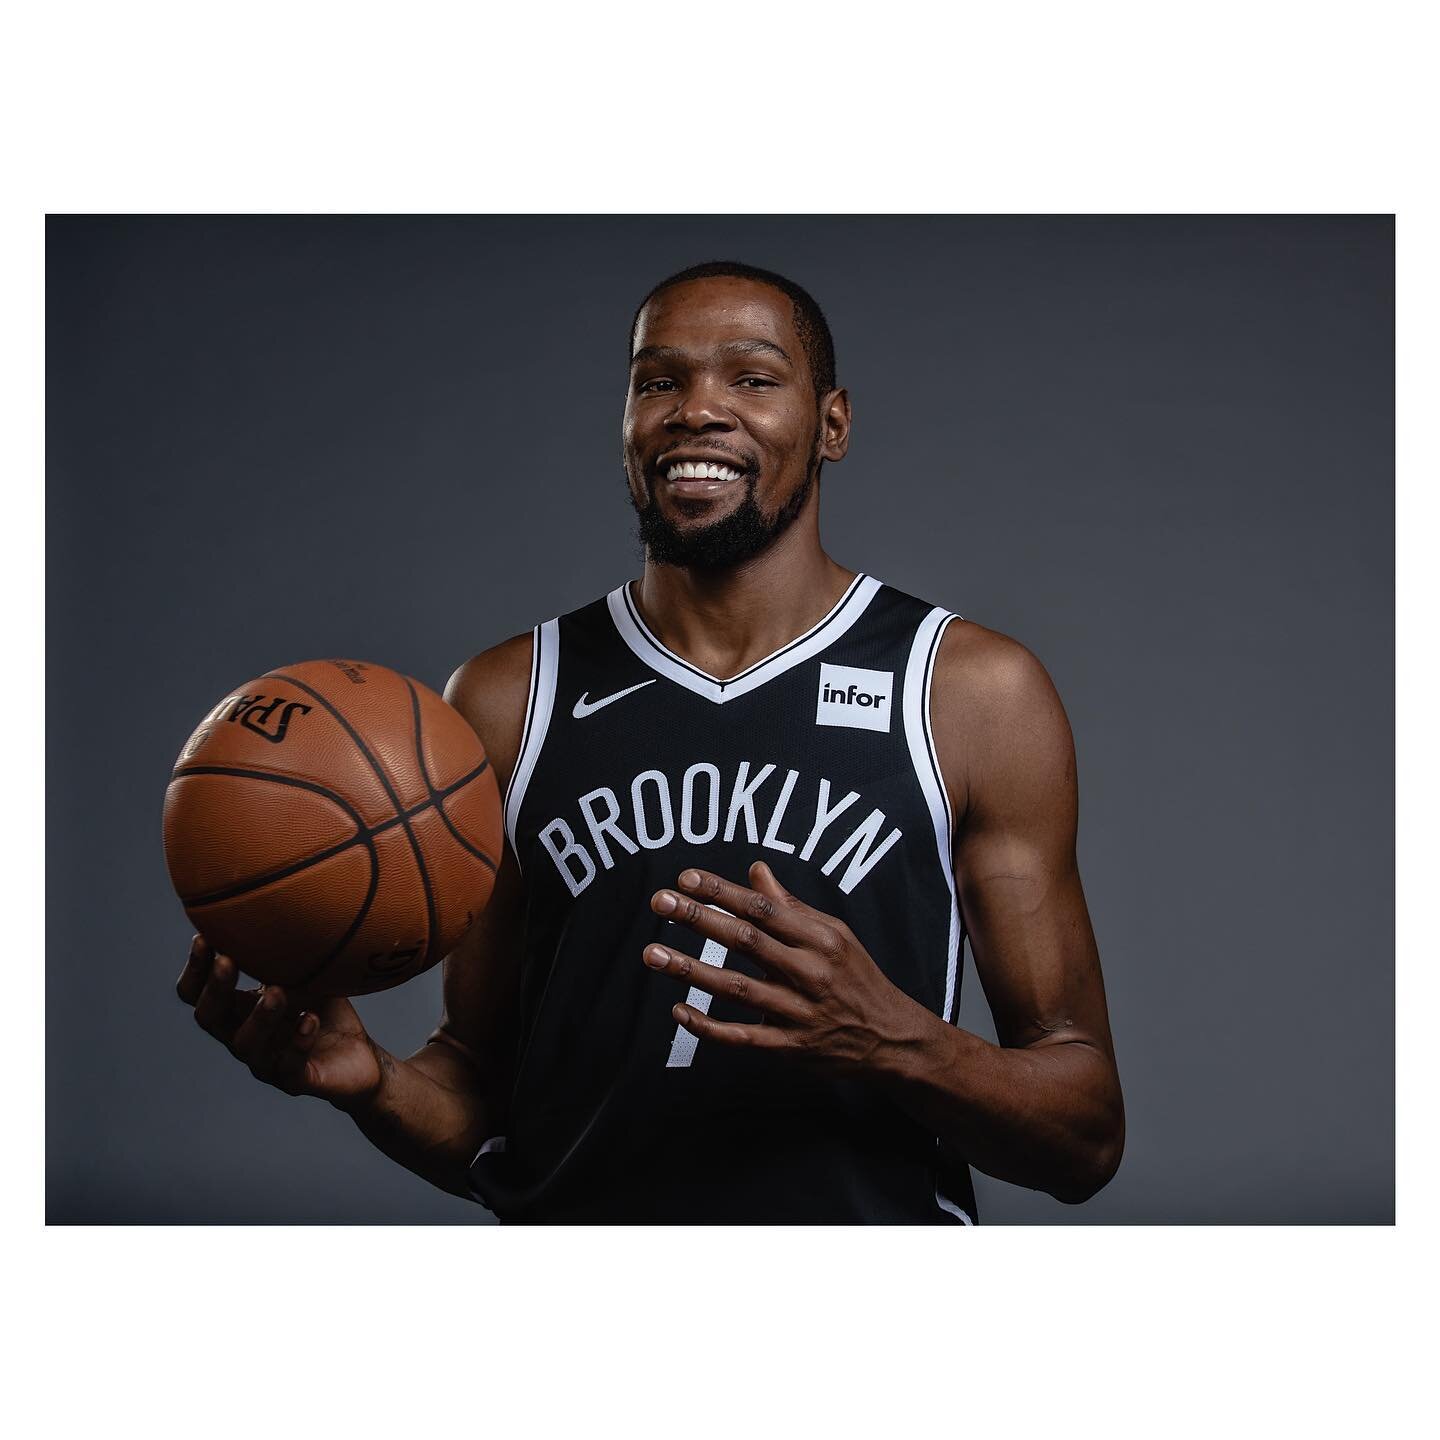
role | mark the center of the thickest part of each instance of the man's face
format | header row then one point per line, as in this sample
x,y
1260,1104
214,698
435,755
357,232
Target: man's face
x,y
719,378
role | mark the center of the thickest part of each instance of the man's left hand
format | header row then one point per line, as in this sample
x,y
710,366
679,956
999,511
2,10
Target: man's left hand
x,y
823,996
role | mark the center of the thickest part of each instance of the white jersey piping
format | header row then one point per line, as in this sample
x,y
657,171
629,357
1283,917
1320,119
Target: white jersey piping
x,y
915,704
947,1204
544,670
919,736
643,643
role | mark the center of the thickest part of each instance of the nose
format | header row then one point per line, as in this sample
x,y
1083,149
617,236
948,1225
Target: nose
x,y
698,407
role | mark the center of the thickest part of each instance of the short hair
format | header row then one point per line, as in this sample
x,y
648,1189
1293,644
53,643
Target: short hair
x,y
810,323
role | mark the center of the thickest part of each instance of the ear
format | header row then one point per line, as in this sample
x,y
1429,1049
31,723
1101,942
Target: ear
x,y
835,425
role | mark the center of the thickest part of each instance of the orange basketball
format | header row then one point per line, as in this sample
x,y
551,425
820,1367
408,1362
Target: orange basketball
x,y
333,826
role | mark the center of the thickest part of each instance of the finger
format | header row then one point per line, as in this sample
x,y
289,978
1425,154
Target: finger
x,y
727,983
734,932
265,1030
764,879
779,914
213,1010
724,1032
196,972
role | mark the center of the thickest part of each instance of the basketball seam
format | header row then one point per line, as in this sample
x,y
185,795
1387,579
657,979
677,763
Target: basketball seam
x,y
390,790
233,892
230,892
482,856
340,947
436,797
251,773
363,835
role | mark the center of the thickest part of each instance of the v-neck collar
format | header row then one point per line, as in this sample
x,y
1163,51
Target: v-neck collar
x,y
637,635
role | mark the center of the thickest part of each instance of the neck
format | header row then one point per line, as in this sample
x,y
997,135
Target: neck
x,y
724,621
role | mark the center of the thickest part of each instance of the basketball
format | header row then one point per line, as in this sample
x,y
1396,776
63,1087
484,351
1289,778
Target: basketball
x,y
333,826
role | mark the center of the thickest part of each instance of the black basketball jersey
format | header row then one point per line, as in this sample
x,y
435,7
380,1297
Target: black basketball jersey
x,y
634,765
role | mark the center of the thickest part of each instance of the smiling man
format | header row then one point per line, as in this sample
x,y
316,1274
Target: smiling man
x,y
755,804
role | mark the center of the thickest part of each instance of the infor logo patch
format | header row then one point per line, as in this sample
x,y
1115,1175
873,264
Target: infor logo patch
x,y
857,698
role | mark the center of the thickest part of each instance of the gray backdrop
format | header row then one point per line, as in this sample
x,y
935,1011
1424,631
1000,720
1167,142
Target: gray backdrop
x,y
1158,451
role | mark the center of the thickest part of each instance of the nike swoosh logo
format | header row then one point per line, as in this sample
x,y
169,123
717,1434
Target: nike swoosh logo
x,y
582,708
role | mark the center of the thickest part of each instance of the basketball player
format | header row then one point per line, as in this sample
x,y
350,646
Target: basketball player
x,y
755,803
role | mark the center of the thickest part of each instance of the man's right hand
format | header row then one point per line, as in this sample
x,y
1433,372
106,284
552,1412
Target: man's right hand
x,y
317,1047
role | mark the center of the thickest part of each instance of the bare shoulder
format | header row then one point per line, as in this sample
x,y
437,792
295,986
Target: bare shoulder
x,y
989,675
491,690
997,718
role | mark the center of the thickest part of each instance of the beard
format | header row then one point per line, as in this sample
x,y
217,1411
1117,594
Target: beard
x,y
726,543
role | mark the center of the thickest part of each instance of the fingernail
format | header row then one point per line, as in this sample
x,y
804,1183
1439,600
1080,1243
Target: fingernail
x,y
657,957
271,1000
665,902
690,879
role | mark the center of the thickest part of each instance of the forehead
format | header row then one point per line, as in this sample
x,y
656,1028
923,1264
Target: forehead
x,y
699,314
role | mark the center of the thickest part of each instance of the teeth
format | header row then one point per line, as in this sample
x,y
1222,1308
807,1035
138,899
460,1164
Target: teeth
x,y
689,470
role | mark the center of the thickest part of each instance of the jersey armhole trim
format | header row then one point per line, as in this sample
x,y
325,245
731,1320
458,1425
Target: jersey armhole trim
x,y
544,670
920,735
948,1205
915,705
494,1145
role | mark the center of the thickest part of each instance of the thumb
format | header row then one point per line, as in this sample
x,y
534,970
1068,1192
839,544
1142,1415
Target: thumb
x,y
332,1014
337,1013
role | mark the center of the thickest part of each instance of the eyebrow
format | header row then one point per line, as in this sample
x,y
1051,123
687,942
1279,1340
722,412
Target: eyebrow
x,y
733,347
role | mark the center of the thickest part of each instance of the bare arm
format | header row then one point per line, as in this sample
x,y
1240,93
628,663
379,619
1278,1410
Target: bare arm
x,y
1042,1108
433,1111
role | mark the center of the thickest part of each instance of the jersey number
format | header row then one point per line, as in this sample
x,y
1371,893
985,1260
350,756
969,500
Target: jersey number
x,y
682,1047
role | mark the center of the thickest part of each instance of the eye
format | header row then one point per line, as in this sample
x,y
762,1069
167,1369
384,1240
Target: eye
x,y
648,385
757,381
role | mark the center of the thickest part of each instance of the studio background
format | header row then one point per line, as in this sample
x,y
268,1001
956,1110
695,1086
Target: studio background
x,y
1157,451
